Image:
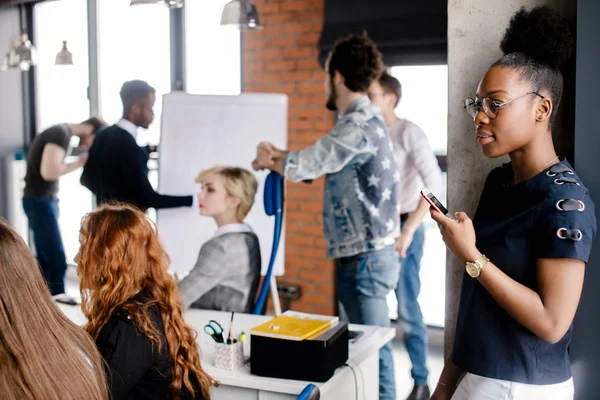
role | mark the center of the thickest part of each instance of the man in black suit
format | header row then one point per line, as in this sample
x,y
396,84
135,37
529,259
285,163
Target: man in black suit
x,y
117,168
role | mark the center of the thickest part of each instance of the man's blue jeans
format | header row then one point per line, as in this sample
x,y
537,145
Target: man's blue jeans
x,y
362,284
410,317
42,213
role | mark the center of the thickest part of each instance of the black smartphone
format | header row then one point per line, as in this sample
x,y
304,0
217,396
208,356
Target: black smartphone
x,y
354,335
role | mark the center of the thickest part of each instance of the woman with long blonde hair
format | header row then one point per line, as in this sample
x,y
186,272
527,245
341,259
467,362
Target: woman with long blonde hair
x,y
134,309
43,355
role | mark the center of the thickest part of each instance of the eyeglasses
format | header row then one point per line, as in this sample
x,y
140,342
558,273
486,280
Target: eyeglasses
x,y
489,106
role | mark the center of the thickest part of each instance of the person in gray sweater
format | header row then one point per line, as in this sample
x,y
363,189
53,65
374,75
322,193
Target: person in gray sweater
x,y
227,273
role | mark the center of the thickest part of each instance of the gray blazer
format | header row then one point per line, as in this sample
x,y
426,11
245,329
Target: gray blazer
x,y
226,274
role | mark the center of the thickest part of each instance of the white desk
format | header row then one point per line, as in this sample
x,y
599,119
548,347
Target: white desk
x,y
239,384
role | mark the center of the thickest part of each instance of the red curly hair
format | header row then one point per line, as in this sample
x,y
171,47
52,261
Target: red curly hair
x,y
120,256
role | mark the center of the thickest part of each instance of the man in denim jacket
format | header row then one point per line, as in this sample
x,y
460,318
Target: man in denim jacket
x,y
360,206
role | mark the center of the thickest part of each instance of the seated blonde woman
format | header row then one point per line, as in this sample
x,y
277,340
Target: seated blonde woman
x,y
227,272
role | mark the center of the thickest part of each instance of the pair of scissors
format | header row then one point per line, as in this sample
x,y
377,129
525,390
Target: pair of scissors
x,y
215,331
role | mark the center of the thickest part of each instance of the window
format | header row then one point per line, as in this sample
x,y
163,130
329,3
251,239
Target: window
x,y
425,102
133,44
212,51
62,97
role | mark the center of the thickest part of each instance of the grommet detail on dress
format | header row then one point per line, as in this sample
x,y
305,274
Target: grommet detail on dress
x,y
560,181
573,234
570,205
558,169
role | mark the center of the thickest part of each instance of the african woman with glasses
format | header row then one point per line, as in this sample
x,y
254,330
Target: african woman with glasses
x,y
535,223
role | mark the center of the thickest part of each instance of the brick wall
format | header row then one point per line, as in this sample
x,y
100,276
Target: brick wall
x,y
282,58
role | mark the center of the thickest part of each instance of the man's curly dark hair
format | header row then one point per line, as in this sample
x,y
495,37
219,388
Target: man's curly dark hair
x,y
356,57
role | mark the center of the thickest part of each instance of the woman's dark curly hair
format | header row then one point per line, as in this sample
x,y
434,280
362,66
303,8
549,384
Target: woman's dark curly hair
x,y
538,43
356,57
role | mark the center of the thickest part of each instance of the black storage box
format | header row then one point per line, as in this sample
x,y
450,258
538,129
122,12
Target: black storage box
x,y
307,360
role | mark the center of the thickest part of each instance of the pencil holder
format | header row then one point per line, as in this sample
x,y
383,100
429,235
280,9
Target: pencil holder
x,y
229,356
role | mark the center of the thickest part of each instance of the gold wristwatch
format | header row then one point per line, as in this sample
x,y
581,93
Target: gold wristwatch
x,y
474,267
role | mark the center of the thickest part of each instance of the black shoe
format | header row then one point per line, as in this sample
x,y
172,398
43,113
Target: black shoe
x,y
419,392
64,299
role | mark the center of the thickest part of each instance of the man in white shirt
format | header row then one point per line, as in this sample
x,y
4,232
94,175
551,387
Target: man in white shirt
x,y
418,168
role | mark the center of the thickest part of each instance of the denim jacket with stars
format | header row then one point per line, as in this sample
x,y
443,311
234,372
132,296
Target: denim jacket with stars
x,y
360,205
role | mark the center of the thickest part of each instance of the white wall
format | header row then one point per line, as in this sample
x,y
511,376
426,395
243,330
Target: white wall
x,y
11,101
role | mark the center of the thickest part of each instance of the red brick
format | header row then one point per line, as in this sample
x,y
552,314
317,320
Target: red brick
x,y
271,77
297,281
295,188
301,124
299,100
289,273
291,252
282,66
252,88
312,88
302,306
312,113
293,227
254,44
323,125
280,18
319,76
283,42
267,32
309,39
311,253
283,88
310,136
324,265
308,64
267,8
305,195
249,56
327,288
316,276
297,76
255,66
319,99
316,299
299,216
298,265
324,309
311,17
311,230
311,207
320,243
268,54
300,52
296,5
300,240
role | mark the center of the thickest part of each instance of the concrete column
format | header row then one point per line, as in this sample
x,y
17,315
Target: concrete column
x,y
475,28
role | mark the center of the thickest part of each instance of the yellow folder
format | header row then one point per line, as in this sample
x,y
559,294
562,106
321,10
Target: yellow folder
x,y
290,328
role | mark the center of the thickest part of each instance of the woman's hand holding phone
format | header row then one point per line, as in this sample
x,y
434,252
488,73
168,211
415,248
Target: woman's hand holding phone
x,y
457,231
